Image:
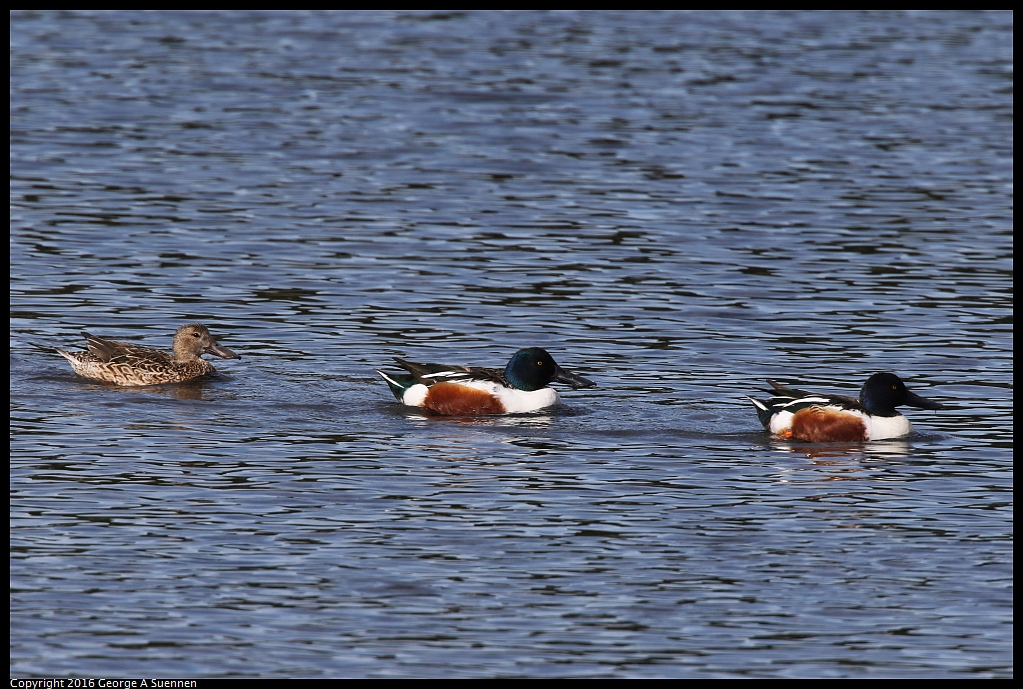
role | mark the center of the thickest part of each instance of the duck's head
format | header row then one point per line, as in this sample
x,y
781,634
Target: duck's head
x,y
534,369
884,391
192,340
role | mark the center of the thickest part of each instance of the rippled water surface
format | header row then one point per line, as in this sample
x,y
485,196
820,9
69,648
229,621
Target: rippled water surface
x,y
678,206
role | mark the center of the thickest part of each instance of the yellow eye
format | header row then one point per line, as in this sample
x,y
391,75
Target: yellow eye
x,y
539,363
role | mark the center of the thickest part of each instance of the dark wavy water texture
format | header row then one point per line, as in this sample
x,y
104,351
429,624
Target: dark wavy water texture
x,y
676,205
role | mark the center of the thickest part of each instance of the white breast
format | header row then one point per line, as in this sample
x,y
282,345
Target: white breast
x,y
883,427
520,401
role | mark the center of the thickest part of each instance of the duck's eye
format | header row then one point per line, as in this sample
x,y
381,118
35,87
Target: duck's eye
x,y
539,363
195,334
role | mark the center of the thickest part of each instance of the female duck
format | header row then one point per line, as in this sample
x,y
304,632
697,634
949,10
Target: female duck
x,y
121,363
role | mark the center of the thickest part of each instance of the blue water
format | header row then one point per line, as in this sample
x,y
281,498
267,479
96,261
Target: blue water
x,y
678,206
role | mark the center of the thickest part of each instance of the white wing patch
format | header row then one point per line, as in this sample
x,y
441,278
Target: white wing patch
x,y
445,374
819,401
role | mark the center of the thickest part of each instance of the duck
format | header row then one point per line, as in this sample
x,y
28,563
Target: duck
x,y
811,417
523,386
121,363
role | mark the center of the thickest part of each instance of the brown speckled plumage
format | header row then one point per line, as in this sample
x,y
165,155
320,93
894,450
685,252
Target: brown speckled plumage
x,y
121,363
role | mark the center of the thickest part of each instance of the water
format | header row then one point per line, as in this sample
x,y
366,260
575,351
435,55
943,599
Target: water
x,y
678,206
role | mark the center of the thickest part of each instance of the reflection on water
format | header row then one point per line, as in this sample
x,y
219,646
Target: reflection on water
x,y
875,449
679,205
